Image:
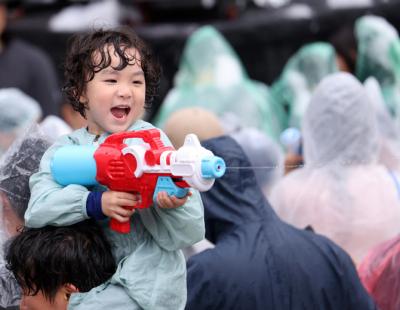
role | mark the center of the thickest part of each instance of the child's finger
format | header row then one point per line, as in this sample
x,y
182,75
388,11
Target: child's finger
x,y
125,212
127,202
178,201
163,200
120,218
129,196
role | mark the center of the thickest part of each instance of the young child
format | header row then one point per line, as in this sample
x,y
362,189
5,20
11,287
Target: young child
x,y
110,78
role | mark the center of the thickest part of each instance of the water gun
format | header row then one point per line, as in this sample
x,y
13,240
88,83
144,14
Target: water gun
x,y
146,168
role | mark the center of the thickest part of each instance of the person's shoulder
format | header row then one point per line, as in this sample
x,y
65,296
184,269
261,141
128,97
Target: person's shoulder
x,y
326,248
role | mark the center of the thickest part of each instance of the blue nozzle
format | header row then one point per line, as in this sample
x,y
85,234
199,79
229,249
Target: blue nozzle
x,y
213,167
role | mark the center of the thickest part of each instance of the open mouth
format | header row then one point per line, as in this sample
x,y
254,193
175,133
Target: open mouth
x,y
120,112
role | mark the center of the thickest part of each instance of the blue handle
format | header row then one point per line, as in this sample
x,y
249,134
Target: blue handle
x,y
165,184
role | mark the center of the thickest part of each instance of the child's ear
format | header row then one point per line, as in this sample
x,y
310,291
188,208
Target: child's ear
x,y
70,288
83,99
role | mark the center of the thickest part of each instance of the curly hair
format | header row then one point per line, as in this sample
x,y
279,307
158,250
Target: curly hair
x,y
45,259
80,65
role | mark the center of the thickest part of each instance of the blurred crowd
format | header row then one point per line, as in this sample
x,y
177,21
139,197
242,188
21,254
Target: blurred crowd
x,y
308,214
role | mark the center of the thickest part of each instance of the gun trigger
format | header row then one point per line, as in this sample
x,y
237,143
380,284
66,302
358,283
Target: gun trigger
x,y
165,184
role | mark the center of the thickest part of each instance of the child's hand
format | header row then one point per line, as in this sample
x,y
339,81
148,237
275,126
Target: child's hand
x,y
171,202
113,205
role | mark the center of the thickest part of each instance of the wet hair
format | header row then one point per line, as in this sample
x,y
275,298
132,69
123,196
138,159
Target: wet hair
x,y
80,65
45,259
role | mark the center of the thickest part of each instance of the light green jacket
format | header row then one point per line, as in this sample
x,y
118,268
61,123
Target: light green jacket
x,y
151,266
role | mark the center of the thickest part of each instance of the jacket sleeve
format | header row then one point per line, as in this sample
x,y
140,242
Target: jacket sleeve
x,y
174,229
51,203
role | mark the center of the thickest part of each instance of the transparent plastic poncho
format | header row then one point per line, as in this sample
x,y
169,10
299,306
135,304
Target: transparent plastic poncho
x,y
16,166
211,76
342,192
302,73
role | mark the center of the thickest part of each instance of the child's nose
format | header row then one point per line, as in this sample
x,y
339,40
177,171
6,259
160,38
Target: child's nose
x,y
124,91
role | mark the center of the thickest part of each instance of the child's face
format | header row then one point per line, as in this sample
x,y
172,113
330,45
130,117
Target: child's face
x,y
9,218
39,302
115,98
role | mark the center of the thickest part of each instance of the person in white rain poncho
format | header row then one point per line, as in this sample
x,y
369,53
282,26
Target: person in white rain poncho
x,y
342,192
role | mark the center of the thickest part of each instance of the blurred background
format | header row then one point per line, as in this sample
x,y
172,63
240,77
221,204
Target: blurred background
x,y
264,33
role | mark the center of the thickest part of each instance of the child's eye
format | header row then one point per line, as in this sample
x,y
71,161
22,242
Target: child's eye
x,y
111,81
138,82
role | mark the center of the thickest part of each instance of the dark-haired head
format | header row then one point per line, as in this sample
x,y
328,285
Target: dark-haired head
x,y
89,53
44,260
345,44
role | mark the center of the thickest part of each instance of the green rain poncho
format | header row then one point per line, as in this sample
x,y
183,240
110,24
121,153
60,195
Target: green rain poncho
x,y
211,76
151,271
379,56
301,75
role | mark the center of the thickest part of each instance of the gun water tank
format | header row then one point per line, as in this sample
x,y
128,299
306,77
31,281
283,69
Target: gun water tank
x,y
74,164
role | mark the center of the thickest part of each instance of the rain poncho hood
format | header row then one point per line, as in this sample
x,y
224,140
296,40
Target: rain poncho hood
x,y
340,125
379,56
20,161
258,261
211,76
380,274
342,192
300,76
16,166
